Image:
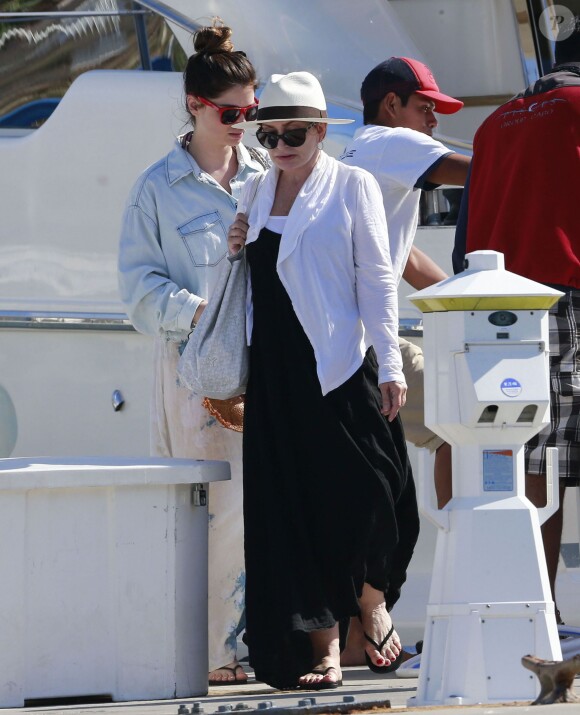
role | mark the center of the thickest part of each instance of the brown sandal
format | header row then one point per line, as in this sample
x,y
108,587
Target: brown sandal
x,y
235,680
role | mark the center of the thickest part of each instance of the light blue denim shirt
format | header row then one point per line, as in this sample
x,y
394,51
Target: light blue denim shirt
x,y
174,241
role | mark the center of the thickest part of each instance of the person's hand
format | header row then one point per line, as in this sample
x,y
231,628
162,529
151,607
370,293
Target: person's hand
x,y
237,233
197,315
394,396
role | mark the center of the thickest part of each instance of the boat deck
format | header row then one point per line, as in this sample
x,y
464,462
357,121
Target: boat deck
x,y
371,693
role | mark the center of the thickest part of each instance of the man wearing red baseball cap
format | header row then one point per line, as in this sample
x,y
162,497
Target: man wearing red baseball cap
x,y
405,76
400,98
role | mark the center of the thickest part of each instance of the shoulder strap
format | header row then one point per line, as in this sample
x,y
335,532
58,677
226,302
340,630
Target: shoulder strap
x,y
249,192
255,187
258,156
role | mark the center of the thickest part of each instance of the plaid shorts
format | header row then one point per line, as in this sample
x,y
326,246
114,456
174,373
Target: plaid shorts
x,y
563,431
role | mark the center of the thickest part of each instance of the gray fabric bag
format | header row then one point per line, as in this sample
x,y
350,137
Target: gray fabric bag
x,y
216,360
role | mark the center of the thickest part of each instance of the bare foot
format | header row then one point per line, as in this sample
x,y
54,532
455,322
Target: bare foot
x,y
376,624
231,673
326,673
354,652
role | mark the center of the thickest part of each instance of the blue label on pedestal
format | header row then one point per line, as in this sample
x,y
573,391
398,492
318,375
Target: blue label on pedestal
x,y
498,470
511,387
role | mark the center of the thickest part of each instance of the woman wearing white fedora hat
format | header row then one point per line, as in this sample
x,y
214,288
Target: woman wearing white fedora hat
x,y
330,511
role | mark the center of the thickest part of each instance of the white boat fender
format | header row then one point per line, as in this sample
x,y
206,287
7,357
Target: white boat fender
x,y
410,668
569,640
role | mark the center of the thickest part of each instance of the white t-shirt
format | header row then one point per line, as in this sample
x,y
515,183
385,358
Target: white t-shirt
x,y
398,159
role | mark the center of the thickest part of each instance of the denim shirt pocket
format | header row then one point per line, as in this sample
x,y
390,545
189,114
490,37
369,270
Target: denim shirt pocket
x,y
205,239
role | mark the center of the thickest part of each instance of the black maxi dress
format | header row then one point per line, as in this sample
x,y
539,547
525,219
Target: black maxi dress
x,y
329,498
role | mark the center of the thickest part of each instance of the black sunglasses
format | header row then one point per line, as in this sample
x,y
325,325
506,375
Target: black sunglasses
x,y
292,137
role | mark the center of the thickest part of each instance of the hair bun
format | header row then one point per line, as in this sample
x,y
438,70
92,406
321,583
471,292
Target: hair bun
x,y
215,38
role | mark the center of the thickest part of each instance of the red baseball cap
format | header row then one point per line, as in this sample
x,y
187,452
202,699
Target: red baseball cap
x,y
402,74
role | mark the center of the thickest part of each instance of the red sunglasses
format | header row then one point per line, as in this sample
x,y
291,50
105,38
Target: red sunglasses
x,y
231,115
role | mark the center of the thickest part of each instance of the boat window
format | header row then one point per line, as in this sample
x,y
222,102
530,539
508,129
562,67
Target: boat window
x,y
440,207
45,51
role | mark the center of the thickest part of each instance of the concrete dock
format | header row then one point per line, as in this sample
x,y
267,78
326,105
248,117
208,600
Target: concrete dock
x,y
371,693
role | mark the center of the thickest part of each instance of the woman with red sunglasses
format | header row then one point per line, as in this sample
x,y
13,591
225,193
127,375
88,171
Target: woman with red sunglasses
x,y
173,246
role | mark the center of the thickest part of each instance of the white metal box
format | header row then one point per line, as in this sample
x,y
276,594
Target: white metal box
x,y
104,578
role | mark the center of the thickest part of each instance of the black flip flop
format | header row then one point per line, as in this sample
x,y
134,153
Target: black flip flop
x,y
322,684
379,646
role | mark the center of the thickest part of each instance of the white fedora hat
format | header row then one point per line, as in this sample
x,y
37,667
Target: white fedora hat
x,y
296,96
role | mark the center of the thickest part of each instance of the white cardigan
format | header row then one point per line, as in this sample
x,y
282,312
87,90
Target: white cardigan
x,y
335,265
